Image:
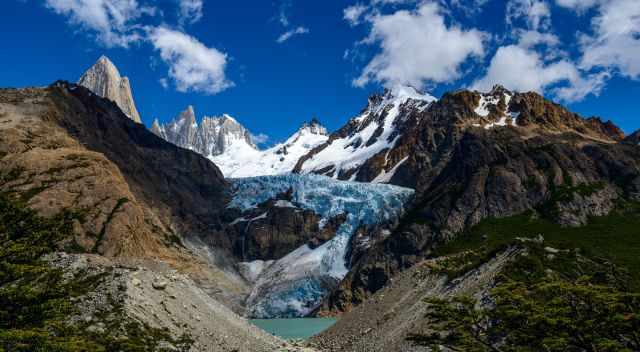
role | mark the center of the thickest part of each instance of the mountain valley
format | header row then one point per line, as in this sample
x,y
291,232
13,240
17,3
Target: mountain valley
x,y
170,238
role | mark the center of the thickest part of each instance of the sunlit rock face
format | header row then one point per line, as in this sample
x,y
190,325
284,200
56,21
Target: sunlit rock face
x,y
103,78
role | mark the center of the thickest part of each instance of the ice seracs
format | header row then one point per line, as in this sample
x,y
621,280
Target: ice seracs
x,y
294,285
103,78
375,130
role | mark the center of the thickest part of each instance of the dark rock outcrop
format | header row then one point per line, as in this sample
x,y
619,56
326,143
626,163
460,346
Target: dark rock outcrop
x,y
185,189
276,228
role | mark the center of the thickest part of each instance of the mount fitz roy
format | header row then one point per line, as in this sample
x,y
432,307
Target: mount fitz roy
x,y
103,78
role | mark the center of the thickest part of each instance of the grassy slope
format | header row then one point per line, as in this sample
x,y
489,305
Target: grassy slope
x,y
615,237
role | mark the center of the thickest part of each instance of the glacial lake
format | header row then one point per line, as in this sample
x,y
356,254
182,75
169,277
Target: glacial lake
x,y
298,328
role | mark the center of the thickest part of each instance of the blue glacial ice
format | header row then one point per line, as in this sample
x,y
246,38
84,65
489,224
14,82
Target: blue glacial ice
x,y
296,284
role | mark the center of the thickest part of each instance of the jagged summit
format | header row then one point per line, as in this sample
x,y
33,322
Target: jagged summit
x,y
212,137
313,126
367,136
103,78
279,159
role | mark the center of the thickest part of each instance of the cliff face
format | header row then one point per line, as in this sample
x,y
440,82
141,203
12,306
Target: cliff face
x,y
104,79
473,156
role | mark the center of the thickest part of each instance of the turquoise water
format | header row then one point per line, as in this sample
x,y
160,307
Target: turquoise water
x,y
298,328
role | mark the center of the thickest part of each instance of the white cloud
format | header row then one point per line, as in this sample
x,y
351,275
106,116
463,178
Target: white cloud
x,y
536,13
111,20
192,66
523,70
418,48
578,5
288,34
529,39
615,44
353,14
190,11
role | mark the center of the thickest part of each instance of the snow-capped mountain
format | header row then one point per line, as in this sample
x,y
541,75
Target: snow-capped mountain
x,y
230,146
368,136
279,159
214,136
103,78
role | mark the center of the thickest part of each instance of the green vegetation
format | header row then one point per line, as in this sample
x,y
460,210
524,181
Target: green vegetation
x,y
577,290
615,237
564,302
36,299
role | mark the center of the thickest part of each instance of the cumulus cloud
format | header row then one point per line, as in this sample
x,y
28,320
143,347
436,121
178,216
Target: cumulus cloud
x,y
111,20
523,70
536,62
615,44
290,33
192,65
190,11
418,48
529,39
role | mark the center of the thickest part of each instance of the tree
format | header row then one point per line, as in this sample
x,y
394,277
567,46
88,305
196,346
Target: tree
x,y
538,313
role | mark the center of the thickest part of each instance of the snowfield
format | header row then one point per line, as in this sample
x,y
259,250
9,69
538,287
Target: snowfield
x,y
242,160
295,285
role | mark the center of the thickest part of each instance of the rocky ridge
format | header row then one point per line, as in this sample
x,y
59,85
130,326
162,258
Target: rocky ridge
x,y
360,151
472,156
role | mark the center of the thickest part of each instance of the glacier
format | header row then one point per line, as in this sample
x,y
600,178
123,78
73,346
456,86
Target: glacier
x,y
295,285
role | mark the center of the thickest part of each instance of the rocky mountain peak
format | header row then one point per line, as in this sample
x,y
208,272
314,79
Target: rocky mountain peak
x,y
313,126
103,78
156,128
398,94
500,90
213,136
187,114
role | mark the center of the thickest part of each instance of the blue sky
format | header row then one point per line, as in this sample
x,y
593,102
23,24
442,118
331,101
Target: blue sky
x,y
274,64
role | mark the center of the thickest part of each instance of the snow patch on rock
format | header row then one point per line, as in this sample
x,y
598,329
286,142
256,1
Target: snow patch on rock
x,y
373,131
